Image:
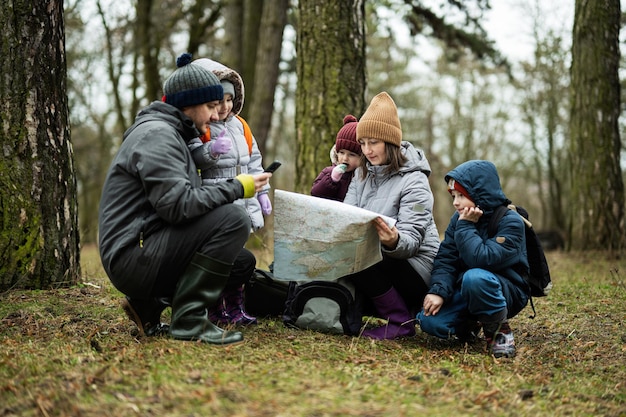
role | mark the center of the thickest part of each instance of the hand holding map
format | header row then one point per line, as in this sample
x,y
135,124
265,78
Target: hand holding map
x,y
320,239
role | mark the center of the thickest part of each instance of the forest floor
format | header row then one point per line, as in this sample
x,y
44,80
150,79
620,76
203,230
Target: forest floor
x,y
73,352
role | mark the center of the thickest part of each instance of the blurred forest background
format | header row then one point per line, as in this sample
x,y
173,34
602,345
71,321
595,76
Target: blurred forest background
x,y
458,97
308,63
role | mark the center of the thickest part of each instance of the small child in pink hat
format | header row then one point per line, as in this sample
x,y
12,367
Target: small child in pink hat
x,y
333,182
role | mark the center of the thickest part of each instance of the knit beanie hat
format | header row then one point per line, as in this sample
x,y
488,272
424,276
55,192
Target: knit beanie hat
x,y
229,88
455,185
346,137
380,121
191,84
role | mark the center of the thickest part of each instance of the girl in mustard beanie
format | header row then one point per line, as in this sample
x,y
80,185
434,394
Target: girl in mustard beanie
x,y
392,180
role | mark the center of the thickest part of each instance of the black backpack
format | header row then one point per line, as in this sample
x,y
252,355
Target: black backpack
x,y
325,306
264,295
538,278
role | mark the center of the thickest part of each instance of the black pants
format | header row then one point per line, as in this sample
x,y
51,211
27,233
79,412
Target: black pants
x,y
398,273
155,268
243,268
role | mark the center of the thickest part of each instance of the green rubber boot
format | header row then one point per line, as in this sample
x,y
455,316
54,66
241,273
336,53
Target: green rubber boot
x,y
198,290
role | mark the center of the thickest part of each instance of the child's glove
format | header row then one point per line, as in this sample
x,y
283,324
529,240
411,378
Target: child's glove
x,y
220,145
338,171
266,204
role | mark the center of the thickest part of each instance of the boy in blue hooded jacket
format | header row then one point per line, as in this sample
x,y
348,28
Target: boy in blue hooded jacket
x,y
478,280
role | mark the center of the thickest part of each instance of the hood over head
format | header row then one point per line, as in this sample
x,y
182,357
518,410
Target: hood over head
x,y
224,73
481,181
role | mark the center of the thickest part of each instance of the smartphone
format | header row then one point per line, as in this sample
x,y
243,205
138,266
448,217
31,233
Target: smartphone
x,y
273,166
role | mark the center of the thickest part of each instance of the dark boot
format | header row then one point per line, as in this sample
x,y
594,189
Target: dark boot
x,y
234,307
147,315
468,330
217,313
392,307
198,290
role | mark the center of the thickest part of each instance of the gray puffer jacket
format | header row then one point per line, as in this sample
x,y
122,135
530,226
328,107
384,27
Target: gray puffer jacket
x,y
242,158
405,196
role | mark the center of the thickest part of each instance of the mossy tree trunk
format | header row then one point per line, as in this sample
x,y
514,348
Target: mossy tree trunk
x,y
39,241
331,79
597,200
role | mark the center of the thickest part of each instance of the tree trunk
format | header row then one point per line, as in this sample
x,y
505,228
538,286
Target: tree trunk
x,y
331,79
597,218
148,48
39,242
201,16
232,53
252,14
261,105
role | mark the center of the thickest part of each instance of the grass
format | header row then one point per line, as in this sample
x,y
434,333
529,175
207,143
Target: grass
x,y
72,352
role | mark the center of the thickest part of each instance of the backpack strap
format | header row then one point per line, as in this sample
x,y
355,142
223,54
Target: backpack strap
x,y
497,215
207,135
492,229
247,132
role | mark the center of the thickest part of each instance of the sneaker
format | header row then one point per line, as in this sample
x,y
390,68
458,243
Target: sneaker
x,y
502,345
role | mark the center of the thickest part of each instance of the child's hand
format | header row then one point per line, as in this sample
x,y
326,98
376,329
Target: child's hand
x,y
471,214
338,171
432,304
265,203
220,145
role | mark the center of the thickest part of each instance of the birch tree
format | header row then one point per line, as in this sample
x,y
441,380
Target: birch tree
x,y
39,240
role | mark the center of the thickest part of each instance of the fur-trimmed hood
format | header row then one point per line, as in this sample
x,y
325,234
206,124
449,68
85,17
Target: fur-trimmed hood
x,y
224,73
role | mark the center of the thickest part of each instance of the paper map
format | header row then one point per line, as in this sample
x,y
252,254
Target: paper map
x,y
320,239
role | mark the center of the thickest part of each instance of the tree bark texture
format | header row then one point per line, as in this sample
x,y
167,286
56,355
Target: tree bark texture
x,y
331,79
148,44
252,14
39,240
261,105
232,54
597,215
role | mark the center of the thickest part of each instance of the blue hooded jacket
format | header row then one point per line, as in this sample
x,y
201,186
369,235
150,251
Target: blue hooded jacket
x,y
466,244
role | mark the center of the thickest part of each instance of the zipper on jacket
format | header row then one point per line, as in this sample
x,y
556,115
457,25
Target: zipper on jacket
x,y
141,239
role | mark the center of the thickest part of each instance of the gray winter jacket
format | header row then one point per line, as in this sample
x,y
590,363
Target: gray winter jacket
x,y
153,183
405,196
240,159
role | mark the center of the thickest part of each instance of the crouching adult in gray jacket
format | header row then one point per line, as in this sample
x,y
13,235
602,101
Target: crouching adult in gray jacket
x,y
165,238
